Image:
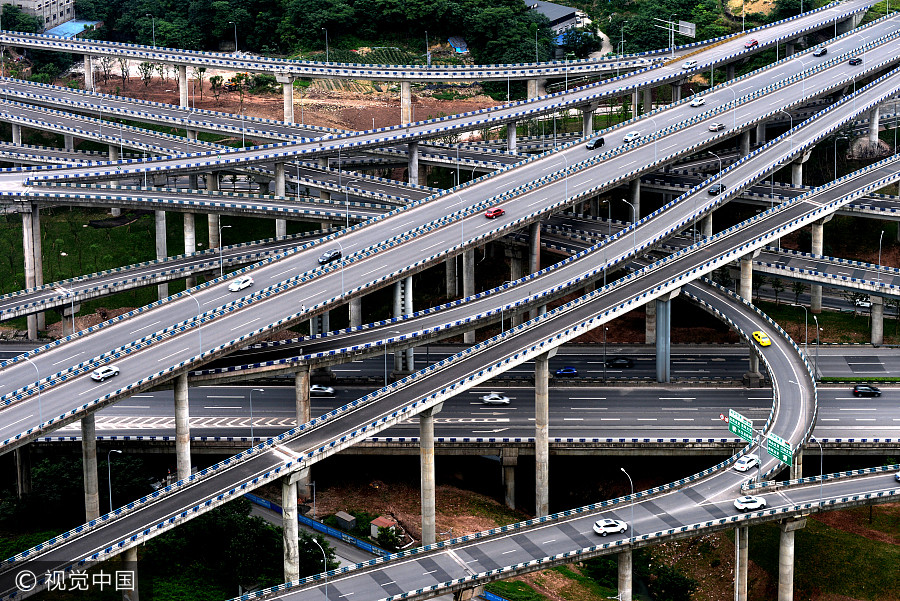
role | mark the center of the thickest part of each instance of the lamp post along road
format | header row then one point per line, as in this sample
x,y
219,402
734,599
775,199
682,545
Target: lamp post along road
x,y
632,501
252,390
109,475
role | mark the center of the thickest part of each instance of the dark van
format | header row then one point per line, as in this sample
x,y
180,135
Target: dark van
x,y
595,143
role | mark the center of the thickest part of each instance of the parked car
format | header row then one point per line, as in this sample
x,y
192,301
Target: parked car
x,y
716,126
595,143
330,255
607,526
689,64
820,51
716,189
751,43
240,283
495,398
319,390
866,390
864,303
761,338
620,362
745,463
631,136
567,371
749,503
698,101
494,213
855,61
107,371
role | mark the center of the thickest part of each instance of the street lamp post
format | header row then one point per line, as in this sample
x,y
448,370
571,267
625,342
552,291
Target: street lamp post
x,y
880,238
816,364
821,467
221,265
605,330
343,258
199,325
802,77
38,372
347,201
835,152
672,29
252,390
326,44
792,128
235,35
632,501
109,475
153,21
633,227
324,565
719,177
805,328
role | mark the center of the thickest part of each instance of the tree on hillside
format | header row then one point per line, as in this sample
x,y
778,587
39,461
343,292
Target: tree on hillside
x,y
15,19
579,42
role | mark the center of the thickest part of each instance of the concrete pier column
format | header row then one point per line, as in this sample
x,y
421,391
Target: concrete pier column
x,y
536,87
130,559
796,471
587,121
88,73
648,99
287,92
760,133
413,164
786,558
356,312
68,141
17,134
38,257
635,99
663,336
625,575
797,173
212,219
23,470
873,125
650,322
426,469
742,562
706,226
516,272
509,459
634,189
877,312
162,290
534,247
290,527
89,467
190,242
113,157
280,224
511,136
302,406
469,286
182,428
324,194
403,305
450,278
729,71
676,90
28,236
405,103
746,288
788,48
183,86
542,434
818,241
745,143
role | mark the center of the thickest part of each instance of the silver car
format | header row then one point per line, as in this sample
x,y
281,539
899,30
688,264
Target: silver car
x,y
746,462
107,371
495,398
749,503
607,526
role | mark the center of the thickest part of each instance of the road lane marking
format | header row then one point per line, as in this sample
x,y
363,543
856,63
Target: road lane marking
x,y
172,355
144,328
244,324
67,359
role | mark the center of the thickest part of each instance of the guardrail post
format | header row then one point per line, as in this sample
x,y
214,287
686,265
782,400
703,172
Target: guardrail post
x,y
742,562
290,527
625,583
182,428
162,290
426,459
89,467
786,558
818,240
541,435
469,286
877,312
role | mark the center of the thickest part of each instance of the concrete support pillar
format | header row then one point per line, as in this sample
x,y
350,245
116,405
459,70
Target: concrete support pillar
x,y
746,289
405,103
729,71
509,459
663,336
534,247
190,242
89,466
17,134
450,278
413,164
650,322
818,241
707,226
183,86
587,121
23,470
280,224
516,272
754,362
287,92
426,468
469,286
625,575
796,471
113,157
788,48
745,142
182,428
742,562
162,290
635,99
356,312
68,141
511,136
676,90
634,189
31,260
542,434
88,73
877,311
403,305
531,88
324,194
797,173
760,133
648,99
469,594
130,559
302,405
873,125
290,527
786,558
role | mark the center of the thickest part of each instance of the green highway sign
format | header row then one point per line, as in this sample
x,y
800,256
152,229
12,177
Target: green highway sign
x,y
778,448
740,425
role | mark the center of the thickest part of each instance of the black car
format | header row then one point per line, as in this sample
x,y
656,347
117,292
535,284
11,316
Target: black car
x,y
866,390
716,189
620,362
855,61
330,255
821,51
595,143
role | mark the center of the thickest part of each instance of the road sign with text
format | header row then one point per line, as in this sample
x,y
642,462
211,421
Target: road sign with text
x,y
778,448
740,425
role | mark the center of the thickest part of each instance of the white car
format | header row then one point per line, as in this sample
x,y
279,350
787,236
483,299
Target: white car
x,y
607,526
107,371
698,101
495,398
319,390
746,462
689,64
631,136
749,503
240,283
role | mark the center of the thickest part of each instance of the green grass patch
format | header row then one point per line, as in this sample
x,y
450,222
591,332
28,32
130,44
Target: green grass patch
x,y
514,591
488,508
588,584
10,545
836,326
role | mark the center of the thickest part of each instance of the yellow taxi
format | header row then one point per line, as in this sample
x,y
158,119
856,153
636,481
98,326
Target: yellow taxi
x,y
761,338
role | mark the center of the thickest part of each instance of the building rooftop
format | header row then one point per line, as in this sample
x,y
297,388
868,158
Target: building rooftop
x,y
71,29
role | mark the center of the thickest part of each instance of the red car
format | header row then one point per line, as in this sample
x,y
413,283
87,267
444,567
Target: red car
x,y
495,212
751,44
